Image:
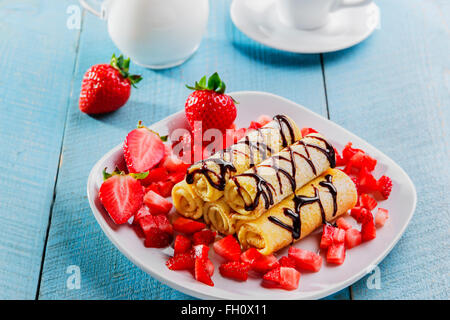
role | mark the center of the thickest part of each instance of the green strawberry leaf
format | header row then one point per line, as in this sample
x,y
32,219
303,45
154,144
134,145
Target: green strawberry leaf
x,y
123,66
139,176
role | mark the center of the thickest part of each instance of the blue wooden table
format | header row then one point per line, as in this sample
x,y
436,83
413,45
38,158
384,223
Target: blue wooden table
x,y
393,90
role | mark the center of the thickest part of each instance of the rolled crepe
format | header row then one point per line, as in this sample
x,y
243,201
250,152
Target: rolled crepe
x,y
219,216
208,177
186,202
296,217
256,190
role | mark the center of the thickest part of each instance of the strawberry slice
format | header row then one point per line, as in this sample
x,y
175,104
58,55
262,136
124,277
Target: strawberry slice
x,y
384,185
201,272
305,260
205,237
228,248
181,261
380,217
352,238
143,149
368,230
157,204
367,201
188,226
343,224
182,244
235,270
287,262
336,253
283,277
122,196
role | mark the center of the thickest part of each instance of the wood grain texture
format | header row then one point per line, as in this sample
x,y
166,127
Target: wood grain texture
x,y
393,91
75,238
37,64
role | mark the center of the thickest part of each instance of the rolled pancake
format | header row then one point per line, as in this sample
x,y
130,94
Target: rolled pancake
x,y
186,202
253,192
219,216
208,177
298,215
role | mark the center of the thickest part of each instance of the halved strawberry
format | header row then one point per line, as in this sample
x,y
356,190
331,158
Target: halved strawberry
x,y
368,230
306,131
181,261
205,237
305,260
286,261
143,149
384,185
157,238
228,248
201,272
182,244
235,270
265,263
367,201
343,224
336,253
380,217
188,226
156,203
122,197
283,277
352,238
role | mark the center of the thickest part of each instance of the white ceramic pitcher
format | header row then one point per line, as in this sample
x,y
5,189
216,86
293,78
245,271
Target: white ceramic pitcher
x,y
156,34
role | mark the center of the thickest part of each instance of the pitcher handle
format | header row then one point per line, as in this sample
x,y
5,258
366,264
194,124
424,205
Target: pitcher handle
x,y
101,14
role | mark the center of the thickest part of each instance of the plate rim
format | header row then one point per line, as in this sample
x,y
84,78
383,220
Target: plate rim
x,y
229,296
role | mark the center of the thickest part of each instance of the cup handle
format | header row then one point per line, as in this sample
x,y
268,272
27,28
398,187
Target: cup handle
x,y
350,3
101,14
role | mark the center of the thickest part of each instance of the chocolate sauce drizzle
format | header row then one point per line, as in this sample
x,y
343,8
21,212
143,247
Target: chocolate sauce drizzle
x,y
263,188
299,202
225,166
281,119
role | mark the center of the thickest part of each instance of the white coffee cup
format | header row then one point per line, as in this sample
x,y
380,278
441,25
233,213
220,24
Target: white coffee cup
x,y
156,34
312,14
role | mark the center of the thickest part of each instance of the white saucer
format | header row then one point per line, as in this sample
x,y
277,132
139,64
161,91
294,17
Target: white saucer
x,y
259,20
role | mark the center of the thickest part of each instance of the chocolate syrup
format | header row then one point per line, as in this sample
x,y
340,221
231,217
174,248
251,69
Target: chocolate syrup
x,y
330,186
263,188
225,167
284,120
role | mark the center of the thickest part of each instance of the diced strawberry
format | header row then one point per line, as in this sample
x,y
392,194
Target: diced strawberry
x,y
356,161
157,238
263,119
361,214
306,131
369,163
121,195
352,238
338,235
305,260
156,203
356,182
343,224
273,275
336,253
282,277
174,164
201,272
367,201
349,151
182,244
286,261
153,187
205,237
327,236
384,185
181,261
380,217
368,230
200,251
143,149
235,270
228,248
176,177
142,212
250,256
185,225
165,188
209,267
155,222
254,125
367,183
155,175
265,263
339,159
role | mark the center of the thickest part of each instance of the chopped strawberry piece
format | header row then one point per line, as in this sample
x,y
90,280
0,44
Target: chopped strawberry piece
x,y
184,225
380,217
368,230
327,236
174,164
348,152
356,161
121,195
155,222
369,163
306,131
263,119
235,270
254,125
336,253
176,177
181,261
209,267
384,185
156,203
250,256
182,244
165,188
228,248
343,224
338,235
205,237
339,159
367,183
367,201
200,251
352,238
361,214
155,175
305,260
201,272
265,263
153,187
356,182
157,238
273,275
287,262
283,277
142,212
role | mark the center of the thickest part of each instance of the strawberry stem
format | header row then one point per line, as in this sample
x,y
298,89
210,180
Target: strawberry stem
x,y
213,83
123,66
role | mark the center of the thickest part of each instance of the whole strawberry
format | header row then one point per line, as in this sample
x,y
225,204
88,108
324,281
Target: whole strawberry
x,y
210,105
107,87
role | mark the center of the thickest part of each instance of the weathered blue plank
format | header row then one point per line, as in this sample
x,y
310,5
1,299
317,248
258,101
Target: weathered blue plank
x,y
393,90
75,238
37,62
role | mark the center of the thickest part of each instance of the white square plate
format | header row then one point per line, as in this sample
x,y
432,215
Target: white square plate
x,y
360,260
